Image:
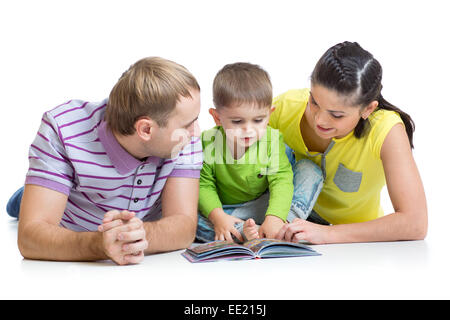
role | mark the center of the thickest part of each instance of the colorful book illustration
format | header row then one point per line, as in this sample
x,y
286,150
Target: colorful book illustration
x,y
253,249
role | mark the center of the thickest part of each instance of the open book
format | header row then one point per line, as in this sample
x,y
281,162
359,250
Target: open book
x,y
253,249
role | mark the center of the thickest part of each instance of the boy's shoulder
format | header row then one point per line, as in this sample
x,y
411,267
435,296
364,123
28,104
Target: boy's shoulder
x,y
210,135
273,134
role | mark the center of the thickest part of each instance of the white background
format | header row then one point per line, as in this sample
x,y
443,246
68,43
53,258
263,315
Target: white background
x,y
53,51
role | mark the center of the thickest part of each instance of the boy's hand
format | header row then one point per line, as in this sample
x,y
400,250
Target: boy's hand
x,y
270,227
224,225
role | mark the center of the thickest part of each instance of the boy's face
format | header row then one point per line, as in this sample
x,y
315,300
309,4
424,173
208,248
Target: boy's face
x,y
244,124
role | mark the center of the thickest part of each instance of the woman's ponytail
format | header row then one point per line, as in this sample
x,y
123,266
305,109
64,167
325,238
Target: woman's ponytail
x,y
406,118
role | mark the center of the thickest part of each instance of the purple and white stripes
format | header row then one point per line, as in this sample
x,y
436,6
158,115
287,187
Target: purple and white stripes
x,y
74,153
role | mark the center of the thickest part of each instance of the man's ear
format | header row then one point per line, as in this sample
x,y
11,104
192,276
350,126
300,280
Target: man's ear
x,y
215,116
145,128
369,109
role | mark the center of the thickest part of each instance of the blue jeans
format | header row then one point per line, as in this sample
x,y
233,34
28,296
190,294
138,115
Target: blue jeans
x,y
308,182
13,206
255,209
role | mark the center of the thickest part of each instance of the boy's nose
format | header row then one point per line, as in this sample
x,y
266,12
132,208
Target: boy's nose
x,y
248,129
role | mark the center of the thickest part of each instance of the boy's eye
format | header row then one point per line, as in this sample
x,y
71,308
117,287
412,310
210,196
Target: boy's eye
x,y
258,120
236,121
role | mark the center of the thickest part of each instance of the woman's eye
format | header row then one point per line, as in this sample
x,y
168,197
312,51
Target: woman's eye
x,y
336,116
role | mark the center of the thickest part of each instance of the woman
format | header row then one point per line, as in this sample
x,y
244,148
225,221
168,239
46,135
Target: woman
x,y
360,142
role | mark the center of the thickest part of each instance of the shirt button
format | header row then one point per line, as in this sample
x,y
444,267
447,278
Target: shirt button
x,y
139,181
136,200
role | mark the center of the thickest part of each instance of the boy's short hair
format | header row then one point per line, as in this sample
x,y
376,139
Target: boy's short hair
x,y
242,82
149,88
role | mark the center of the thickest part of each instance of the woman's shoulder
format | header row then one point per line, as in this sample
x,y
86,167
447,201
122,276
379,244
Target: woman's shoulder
x,y
381,123
293,95
382,118
288,105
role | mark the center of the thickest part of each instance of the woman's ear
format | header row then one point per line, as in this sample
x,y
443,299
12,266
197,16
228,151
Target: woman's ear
x,y
213,112
369,109
144,128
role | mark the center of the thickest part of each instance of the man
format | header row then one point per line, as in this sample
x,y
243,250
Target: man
x,y
116,179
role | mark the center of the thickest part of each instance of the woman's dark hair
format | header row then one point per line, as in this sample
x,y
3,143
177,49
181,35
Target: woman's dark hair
x,y
348,69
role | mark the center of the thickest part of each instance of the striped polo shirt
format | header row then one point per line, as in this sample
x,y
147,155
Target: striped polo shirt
x,y
75,153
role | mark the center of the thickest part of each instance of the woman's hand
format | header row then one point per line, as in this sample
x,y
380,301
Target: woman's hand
x,y
300,229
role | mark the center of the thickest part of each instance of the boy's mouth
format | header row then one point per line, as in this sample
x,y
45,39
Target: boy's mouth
x,y
247,139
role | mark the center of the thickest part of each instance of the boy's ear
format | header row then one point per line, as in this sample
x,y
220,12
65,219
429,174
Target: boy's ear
x,y
272,109
215,116
144,128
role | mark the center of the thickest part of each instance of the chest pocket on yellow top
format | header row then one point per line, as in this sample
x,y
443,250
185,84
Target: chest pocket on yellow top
x,y
347,180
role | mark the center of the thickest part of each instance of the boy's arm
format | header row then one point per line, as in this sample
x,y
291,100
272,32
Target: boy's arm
x,y
280,179
208,197
41,237
281,190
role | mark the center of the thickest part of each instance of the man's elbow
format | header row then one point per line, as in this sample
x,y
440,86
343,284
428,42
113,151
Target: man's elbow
x,y
23,245
191,230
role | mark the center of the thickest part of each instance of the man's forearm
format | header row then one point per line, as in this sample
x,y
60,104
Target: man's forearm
x,y
170,233
44,241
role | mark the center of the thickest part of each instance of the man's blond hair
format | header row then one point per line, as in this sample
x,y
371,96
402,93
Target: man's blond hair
x,y
149,88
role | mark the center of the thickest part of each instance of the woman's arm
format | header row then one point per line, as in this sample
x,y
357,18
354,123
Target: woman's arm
x,y
408,222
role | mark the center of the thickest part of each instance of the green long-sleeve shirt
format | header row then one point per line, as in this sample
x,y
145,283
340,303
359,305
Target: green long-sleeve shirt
x,y
224,180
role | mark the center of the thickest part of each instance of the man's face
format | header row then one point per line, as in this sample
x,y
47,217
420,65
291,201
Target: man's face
x,y
182,125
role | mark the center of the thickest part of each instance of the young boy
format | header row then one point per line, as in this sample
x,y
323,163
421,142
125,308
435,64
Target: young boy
x,y
246,179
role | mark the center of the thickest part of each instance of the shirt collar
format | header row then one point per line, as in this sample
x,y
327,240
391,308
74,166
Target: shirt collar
x,y
120,158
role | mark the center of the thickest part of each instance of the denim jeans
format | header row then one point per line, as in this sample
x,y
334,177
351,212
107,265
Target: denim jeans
x,y
255,209
13,206
308,182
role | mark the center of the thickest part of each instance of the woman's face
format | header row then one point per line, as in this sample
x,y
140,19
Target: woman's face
x,y
331,115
